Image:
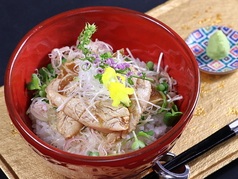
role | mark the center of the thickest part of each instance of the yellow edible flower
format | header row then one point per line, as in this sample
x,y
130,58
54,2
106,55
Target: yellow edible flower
x,y
109,76
118,91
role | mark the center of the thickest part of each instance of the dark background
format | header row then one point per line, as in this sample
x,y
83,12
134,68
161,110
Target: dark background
x,y
18,17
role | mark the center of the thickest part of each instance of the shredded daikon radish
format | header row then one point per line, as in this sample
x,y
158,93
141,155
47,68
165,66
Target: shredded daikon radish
x,y
159,62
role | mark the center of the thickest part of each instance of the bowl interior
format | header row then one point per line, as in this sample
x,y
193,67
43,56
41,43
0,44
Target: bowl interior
x,y
144,36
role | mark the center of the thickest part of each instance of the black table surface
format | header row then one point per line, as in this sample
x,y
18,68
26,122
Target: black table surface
x,y
18,17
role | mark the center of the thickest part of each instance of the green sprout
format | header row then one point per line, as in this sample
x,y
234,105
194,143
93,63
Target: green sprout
x,y
165,102
137,144
171,118
40,81
145,134
90,153
85,37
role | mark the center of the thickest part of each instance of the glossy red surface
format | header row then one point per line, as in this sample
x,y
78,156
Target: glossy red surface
x,y
146,37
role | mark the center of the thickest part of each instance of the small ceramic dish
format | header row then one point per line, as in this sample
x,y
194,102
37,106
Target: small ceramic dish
x,y
198,41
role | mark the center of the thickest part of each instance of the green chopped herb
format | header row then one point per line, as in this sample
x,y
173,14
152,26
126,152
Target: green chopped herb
x,y
127,60
142,118
76,78
90,153
63,61
42,92
125,105
99,77
106,55
130,81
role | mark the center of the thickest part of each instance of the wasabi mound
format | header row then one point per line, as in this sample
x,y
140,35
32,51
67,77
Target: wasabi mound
x,y
218,46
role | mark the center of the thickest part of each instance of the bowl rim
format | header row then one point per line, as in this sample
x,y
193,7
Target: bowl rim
x,y
40,144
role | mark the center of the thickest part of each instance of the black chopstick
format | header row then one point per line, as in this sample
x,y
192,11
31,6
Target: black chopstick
x,y
213,140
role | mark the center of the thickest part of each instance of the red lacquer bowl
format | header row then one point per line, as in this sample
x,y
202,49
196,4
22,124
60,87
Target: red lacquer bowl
x,y
146,37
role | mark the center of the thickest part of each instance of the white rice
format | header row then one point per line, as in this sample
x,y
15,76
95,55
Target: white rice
x,y
48,133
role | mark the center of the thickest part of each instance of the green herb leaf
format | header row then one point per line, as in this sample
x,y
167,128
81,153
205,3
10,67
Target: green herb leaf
x,y
171,118
99,77
145,134
40,81
143,75
63,61
151,133
130,81
44,74
127,60
106,55
138,144
34,84
50,67
126,105
90,153
175,108
42,92
142,118
76,78
47,101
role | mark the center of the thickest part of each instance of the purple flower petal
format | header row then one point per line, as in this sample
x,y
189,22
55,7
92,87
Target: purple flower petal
x,y
139,74
100,70
129,73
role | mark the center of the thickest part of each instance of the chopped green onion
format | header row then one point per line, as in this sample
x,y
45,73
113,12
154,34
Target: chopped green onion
x,y
99,77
